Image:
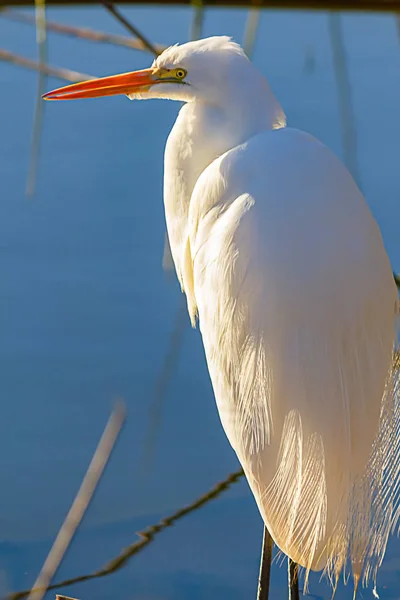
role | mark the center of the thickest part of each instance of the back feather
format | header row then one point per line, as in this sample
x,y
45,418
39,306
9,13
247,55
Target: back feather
x,y
298,322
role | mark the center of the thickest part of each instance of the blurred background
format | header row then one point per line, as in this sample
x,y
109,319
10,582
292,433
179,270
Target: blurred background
x,y
88,313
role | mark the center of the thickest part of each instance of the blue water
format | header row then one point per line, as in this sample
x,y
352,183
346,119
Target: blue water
x,y
86,311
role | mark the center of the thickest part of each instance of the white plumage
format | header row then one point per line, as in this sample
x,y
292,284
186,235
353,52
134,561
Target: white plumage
x,y
279,254
296,302
282,261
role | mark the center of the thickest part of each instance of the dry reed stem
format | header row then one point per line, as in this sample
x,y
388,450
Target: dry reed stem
x,y
147,536
60,73
133,30
80,504
83,33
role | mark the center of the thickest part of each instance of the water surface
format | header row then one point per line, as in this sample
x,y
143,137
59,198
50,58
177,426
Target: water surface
x,y
86,312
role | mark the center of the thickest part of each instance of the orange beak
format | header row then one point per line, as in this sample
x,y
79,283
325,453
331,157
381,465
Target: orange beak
x,y
126,83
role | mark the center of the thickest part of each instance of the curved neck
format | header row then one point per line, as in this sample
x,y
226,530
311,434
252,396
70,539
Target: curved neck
x,y
201,133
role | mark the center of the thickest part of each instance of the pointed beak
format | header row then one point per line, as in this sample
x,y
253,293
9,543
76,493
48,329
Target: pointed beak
x,y
125,83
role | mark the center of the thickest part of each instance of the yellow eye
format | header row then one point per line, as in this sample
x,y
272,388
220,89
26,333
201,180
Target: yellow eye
x,y
180,73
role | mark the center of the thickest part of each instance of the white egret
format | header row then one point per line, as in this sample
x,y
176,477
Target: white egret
x,y
284,266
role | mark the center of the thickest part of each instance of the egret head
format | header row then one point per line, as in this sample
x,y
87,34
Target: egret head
x,y
211,70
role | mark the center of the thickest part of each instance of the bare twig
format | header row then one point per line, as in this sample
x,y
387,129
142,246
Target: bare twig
x,y
60,73
80,504
81,32
147,536
115,12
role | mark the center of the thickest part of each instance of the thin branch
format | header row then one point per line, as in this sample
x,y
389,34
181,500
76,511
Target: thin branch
x,y
147,536
60,73
115,12
80,504
81,32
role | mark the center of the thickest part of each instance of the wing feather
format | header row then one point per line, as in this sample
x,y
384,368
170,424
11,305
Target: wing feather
x,y
296,305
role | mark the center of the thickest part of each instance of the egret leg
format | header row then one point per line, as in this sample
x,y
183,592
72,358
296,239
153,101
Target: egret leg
x,y
265,566
293,580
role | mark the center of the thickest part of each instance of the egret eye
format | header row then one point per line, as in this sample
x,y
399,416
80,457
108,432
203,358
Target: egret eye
x,y
180,73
